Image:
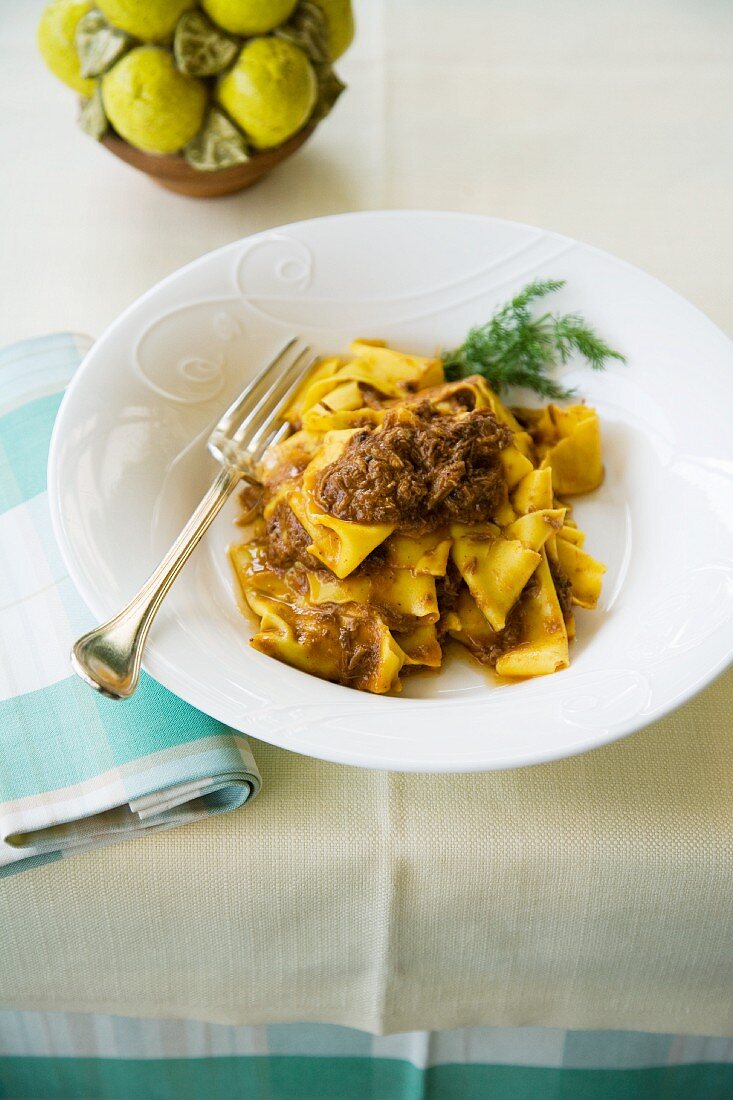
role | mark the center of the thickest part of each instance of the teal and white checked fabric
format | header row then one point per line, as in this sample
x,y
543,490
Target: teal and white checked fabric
x,y
76,770
61,1056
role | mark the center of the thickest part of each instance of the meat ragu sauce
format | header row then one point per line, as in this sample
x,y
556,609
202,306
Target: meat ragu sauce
x,y
287,540
563,587
384,442
421,470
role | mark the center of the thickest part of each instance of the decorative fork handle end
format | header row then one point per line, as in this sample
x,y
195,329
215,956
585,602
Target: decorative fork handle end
x,y
109,657
111,670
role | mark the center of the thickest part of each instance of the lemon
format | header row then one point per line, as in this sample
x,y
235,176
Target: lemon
x,y
151,20
249,17
339,25
270,92
150,103
56,41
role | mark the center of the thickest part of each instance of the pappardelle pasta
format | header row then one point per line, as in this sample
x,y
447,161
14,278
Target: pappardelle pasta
x,y
404,511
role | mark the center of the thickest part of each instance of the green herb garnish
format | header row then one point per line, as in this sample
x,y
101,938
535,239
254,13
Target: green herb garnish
x,y
516,349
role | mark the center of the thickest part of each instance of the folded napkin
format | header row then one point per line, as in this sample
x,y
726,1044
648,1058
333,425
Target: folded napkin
x,y
78,771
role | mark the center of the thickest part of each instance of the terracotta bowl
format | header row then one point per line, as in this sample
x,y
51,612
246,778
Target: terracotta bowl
x,y
176,175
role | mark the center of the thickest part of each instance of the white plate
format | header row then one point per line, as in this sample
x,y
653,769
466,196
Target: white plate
x,y
128,464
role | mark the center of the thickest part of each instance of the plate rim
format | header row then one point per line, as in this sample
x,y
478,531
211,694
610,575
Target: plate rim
x,y
162,670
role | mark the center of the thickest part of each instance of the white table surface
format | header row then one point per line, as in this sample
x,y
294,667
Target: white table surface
x,y
608,121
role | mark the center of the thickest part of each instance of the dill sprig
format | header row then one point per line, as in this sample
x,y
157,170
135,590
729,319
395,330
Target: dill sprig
x,y
516,349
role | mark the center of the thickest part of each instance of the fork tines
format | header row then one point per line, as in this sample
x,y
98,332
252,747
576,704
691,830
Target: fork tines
x,y
252,422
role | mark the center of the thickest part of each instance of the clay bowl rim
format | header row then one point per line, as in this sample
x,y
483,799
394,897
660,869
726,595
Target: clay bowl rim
x,y
174,172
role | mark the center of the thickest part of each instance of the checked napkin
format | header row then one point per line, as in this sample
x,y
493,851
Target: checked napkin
x,y
78,771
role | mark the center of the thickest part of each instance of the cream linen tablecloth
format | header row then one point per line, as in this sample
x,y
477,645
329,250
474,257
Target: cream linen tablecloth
x,y
589,893
592,893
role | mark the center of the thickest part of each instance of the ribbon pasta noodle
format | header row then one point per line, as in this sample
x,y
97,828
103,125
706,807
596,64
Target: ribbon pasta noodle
x,y
405,513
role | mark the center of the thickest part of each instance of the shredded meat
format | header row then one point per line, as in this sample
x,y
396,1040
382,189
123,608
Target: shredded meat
x,y
488,645
508,637
373,399
287,540
419,468
250,499
287,461
563,587
447,589
359,655
448,396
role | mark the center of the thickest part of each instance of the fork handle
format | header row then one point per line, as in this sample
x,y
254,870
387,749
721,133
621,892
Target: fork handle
x,y
109,656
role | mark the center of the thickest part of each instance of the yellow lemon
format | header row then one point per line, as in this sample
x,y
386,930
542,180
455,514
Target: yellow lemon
x,y
249,17
150,103
339,25
56,31
270,92
151,20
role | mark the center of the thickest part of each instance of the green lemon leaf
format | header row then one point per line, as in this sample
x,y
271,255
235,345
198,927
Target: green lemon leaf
x,y
201,48
218,144
308,29
98,44
92,118
329,89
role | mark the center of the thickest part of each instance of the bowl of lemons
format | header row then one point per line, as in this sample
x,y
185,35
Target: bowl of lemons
x,y
205,97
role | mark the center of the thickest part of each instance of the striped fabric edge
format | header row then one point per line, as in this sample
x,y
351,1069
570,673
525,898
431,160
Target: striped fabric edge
x,y
32,371
44,1034
54,1055
42,365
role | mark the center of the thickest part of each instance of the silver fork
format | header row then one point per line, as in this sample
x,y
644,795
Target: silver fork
x,y
109,657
